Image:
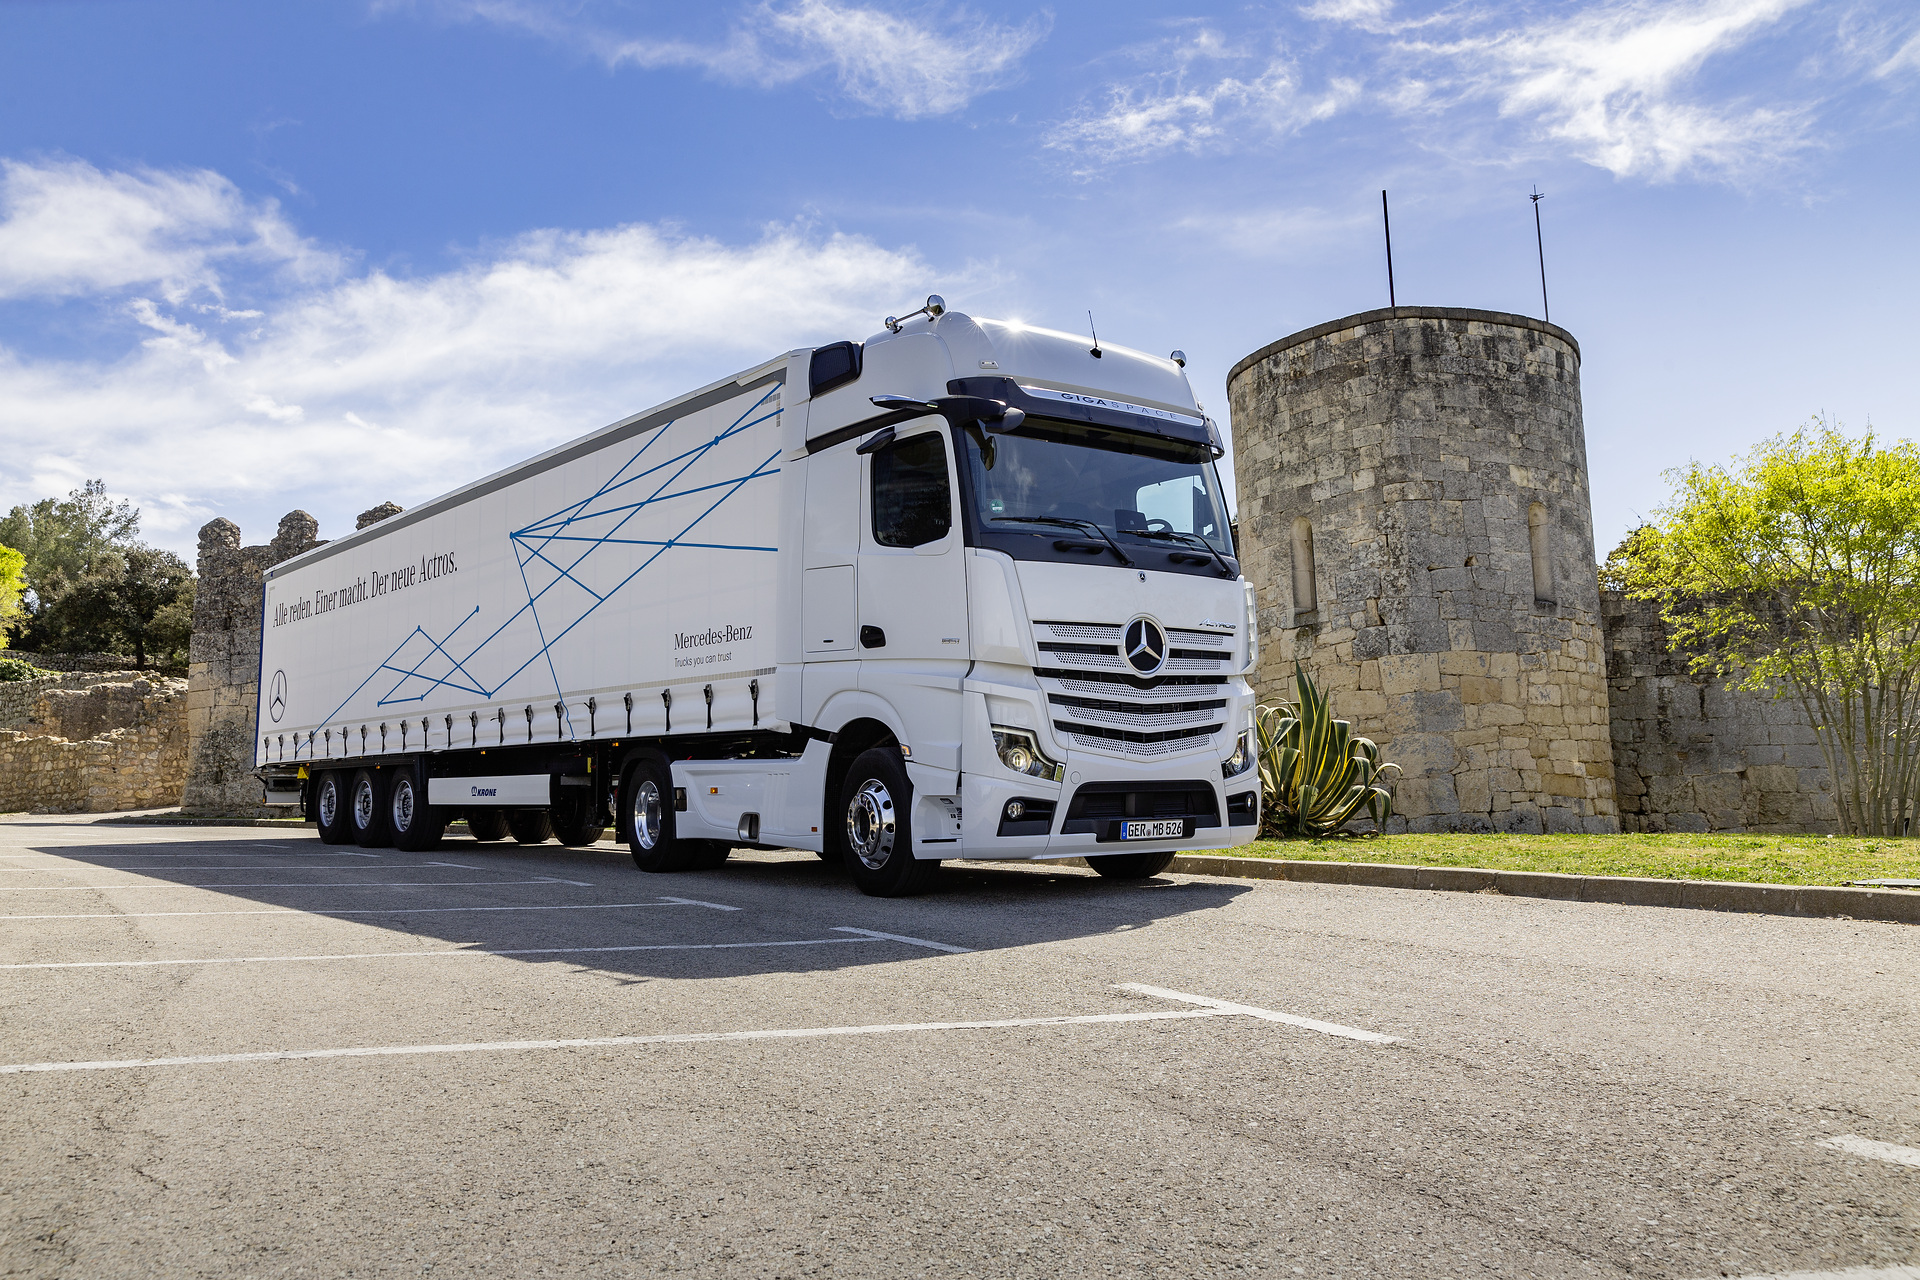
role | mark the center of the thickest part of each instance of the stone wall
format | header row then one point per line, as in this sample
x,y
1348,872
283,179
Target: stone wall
x,y
1689,755
1398,471
94,663
223,664
19,698
134,756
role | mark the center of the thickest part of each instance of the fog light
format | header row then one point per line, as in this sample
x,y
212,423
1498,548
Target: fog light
x,y
1014,809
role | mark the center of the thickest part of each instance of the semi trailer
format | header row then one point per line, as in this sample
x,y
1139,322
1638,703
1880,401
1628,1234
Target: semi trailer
x,y
966,589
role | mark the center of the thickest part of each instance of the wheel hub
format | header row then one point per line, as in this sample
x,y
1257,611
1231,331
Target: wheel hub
x,y
870,824
403,805
329,802
647,817
363,805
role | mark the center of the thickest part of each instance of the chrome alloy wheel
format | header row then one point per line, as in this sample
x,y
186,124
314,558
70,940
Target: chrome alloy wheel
x,y
363,804
870,824
648,820
403,804
329,802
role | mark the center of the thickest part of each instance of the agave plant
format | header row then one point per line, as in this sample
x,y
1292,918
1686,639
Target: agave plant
x,y
1315,772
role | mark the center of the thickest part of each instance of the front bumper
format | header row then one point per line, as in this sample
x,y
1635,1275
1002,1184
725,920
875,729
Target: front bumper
x,y
1100,781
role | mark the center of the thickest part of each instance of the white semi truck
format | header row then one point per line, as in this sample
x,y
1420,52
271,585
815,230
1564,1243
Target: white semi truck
x,y
963,590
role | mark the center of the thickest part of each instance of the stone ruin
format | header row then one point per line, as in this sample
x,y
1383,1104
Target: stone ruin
x,y
223,662
84,742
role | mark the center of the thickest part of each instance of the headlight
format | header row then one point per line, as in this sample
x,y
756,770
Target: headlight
x,y
1021,753
1241,760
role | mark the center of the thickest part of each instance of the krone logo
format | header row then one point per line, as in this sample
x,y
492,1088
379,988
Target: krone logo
x,y
277,701
1145,646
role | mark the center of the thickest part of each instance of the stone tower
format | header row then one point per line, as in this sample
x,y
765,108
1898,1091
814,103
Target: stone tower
x,y
1415,518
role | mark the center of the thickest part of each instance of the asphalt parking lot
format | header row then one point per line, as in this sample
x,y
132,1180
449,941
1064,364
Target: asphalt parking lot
x,y
239,1052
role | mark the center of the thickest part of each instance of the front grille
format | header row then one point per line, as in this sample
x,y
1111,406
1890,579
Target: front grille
x,y
1100,704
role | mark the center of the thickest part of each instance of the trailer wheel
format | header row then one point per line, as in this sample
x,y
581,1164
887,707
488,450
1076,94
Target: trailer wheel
x,y
331,802
876,799
486,824
369,812
1131,866
646,819
417,825
573,823
529,826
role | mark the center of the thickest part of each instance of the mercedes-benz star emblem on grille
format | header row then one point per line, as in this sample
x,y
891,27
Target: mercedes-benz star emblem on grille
x,y
1145,646
277,701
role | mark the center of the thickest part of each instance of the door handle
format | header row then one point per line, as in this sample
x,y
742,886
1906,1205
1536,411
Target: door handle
x,y
872,638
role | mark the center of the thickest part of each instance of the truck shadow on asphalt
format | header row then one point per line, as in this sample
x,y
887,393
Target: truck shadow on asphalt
x,y
597,911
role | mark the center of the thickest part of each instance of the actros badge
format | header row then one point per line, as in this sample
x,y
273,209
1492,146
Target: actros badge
x,y
277,697
1145,645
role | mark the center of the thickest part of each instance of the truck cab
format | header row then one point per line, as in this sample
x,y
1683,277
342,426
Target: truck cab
x,y
1042,611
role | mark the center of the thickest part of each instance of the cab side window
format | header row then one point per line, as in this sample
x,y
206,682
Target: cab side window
x,y
912,496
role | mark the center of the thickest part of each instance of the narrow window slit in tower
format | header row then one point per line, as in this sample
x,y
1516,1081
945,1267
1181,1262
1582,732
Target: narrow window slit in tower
x,y
1540,543
1306,596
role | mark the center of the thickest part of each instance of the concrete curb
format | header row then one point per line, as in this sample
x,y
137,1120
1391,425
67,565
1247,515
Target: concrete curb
x,y
179,820
1700,895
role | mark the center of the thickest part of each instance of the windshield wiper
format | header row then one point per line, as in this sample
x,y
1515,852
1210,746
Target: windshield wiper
x,y
1069,523
1191,539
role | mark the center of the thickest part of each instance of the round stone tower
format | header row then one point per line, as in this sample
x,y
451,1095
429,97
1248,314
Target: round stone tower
x,y
1414,515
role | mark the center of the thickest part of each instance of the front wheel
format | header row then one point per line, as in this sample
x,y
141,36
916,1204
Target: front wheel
x,y
875,800
1131,866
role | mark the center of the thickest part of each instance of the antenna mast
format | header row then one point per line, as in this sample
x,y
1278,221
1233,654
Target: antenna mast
x,y
1540,244
1386,225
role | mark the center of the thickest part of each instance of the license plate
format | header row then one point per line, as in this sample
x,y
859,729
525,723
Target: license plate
x,y
1158,829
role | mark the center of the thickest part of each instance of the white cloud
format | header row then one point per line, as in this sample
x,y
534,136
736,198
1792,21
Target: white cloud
x,y
889,61
337,394
67,229
1619,85
1611,85
1180,110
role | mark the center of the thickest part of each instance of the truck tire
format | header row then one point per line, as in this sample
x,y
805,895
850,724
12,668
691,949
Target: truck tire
x,y
709,855
875,801
529,826
1131,866
646,819
369,809
486,824
573,825
417,826
332,801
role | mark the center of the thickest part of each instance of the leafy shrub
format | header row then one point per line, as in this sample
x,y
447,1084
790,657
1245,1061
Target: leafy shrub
x,y
1315,772
12,669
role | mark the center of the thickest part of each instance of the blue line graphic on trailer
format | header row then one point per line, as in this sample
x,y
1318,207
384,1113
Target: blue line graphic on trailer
x,y
571,562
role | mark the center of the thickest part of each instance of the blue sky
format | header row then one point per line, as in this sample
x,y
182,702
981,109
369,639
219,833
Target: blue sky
x,y
320,254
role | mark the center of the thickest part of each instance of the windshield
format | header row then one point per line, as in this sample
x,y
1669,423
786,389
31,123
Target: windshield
x,y
1138,490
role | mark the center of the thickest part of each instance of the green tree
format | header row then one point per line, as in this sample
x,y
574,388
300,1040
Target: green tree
x,y
1797,572
12,583
137,599
65,537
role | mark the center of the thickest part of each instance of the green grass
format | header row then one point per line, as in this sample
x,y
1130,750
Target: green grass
x,y
1766,859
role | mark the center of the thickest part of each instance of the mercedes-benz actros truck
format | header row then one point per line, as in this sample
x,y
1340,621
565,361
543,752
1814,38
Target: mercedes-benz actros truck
x,y
963,590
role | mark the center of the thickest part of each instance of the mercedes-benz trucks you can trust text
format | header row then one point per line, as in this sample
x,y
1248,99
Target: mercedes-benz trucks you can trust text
x,y
963,590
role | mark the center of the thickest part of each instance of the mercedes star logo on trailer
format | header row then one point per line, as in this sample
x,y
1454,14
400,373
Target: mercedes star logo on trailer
x,y
1145,646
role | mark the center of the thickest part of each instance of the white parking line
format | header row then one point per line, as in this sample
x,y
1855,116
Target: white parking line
x,y
1847,1273
1212,1009
601,1042
912,942
360,884
457,953
88,859
373,911
1292,1020
282,867
1854,1144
